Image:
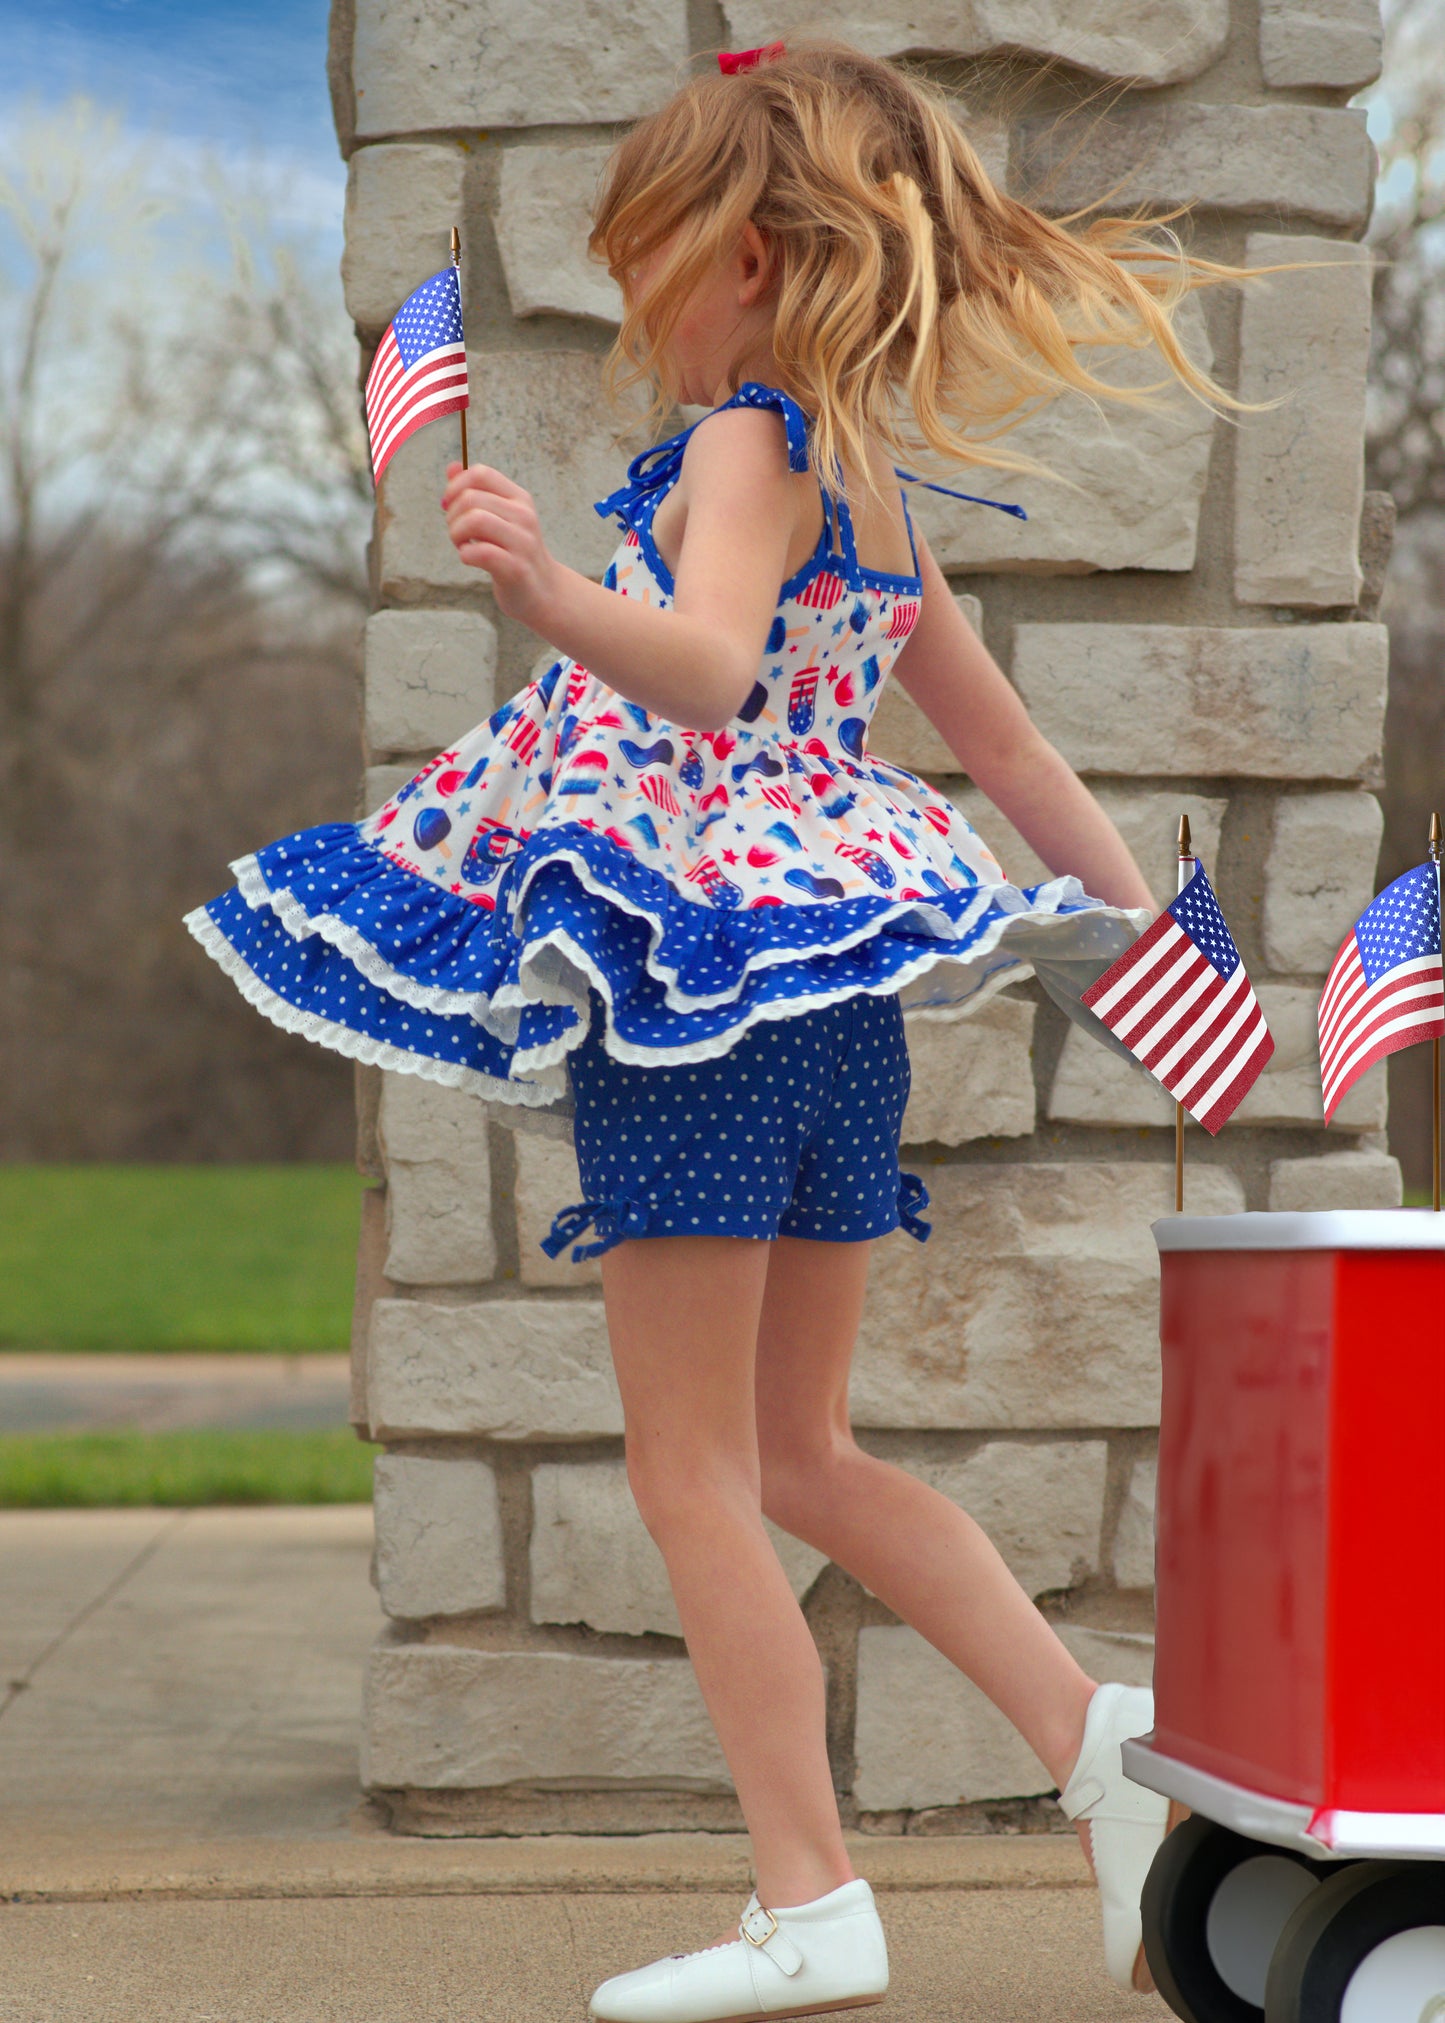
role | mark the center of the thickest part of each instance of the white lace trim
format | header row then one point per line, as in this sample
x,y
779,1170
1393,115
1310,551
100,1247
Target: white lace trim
x,y
564,980
363,955
359,1046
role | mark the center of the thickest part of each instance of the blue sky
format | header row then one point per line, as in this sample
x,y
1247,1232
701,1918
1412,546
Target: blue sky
x,y
247,80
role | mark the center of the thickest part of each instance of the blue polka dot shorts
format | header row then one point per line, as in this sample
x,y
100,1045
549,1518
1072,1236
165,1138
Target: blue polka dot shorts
x,y
793,1132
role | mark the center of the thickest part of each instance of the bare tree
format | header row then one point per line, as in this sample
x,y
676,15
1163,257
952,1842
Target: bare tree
x,y
1405,456
278,360
183,506
1407,416
192,428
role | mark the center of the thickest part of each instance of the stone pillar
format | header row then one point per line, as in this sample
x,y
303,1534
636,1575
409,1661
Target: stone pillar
x,y
1194,625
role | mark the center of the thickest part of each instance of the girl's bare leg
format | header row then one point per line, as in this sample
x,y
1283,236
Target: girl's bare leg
x,y
922,1556
683,1315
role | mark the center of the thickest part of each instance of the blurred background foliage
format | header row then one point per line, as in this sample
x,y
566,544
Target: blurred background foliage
x,y
1405,456
184,499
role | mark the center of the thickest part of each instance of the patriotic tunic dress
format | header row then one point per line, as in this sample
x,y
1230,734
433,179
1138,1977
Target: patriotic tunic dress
x,y
698,880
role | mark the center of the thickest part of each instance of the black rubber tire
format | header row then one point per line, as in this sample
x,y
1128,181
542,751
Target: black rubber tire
x,y
1332,1931
1191,1864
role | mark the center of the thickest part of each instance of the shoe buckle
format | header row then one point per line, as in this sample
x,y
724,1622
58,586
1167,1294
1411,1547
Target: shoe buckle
x,y
747,1921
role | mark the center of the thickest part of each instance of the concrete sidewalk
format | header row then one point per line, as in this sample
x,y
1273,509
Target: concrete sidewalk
x,y
166,1393
183,1840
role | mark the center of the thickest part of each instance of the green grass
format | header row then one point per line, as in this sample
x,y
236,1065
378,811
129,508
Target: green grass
x,y
69,1471
177,1257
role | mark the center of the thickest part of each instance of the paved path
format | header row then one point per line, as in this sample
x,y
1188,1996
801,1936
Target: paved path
x,y
192,1673
158,1394
183,1840
980,1956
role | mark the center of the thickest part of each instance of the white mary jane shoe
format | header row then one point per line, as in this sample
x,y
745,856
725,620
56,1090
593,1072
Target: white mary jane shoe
x,y
1126,1823
797,1961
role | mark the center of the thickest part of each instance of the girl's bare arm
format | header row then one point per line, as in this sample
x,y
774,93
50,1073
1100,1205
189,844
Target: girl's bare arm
x,y
694,662
963,692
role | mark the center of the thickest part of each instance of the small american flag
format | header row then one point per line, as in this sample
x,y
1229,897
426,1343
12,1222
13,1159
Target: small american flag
x,y
1180,1001
1386,989
420,369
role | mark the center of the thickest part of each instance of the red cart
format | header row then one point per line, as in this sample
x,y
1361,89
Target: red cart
x,y
1300,1670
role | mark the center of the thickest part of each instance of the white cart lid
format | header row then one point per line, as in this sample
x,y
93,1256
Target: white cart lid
x,y
1305,1229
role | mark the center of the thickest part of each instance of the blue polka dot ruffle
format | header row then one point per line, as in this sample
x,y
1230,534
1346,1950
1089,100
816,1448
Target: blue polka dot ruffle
x,y
330,938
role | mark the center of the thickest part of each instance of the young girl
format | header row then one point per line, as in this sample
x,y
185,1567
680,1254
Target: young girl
x,y
668,891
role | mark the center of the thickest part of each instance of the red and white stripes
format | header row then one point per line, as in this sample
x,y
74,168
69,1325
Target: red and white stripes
x,y
1201,1034
823,592
400,400
1361,1022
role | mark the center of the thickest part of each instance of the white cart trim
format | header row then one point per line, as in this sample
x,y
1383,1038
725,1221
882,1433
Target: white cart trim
x,y
1324,1834
1305,1229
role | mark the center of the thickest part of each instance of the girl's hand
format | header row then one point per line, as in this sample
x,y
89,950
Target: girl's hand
x,y
494,526
694,661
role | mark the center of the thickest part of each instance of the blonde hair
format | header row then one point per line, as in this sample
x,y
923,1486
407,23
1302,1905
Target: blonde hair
x,y
915,303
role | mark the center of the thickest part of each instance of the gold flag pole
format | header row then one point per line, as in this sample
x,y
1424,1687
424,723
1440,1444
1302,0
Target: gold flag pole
x,y
1186,857
457,263
1435,1054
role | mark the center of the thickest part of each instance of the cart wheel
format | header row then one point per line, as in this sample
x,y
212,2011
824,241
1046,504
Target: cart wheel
x,y
1214,1904
1367,1947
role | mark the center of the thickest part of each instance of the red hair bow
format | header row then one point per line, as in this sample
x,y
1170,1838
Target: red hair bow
x,y
731,61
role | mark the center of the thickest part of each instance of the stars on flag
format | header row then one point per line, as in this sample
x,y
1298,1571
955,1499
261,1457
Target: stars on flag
x,y
1386,989
419,372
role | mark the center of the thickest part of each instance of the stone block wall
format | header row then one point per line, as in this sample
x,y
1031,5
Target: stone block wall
x,y
1191,618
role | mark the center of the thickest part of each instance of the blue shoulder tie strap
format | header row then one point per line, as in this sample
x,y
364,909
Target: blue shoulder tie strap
x,y
752,393
659,466
654,467
971,498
